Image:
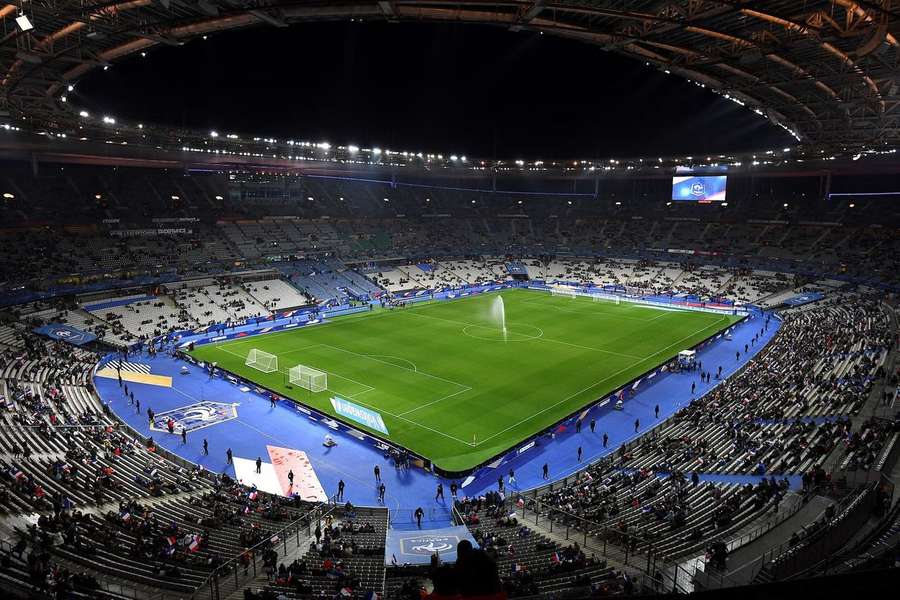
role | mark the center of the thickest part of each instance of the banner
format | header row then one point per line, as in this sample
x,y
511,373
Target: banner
x,y
360,414
802,299
66,333
150,232
416,547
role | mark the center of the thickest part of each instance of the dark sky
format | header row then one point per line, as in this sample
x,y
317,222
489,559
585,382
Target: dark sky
x,y
465,89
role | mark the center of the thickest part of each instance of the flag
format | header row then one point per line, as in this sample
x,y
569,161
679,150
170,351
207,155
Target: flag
x,y
195,543
253,495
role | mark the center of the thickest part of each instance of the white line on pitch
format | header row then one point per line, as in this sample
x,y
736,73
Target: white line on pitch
x,y
370,357
412,410
593,385
377,408
544,338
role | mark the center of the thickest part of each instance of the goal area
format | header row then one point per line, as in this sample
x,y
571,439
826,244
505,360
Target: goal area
x,y
308,378
262,361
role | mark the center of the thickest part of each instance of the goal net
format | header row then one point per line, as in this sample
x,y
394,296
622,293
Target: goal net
x,y
562,291
308,378
606,298
262,361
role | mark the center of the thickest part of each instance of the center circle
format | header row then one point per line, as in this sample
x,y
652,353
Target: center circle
x,y
514,333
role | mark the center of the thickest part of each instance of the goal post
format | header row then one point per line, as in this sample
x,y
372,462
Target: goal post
x,y
262,361
308,378
562,290
614,298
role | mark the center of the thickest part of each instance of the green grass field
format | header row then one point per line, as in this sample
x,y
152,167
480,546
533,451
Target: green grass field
x,y
441,374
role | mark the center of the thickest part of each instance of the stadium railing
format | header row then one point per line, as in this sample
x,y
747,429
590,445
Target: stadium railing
x,y
113,589
624,548
219,585
787,561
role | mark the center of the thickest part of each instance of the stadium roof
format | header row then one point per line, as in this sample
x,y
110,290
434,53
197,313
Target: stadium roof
x,y
825,70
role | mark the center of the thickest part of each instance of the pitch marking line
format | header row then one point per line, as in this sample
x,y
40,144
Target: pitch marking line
x,y
409,362
595,384
368,387
586,311
372,357
377,408
412,410
546,339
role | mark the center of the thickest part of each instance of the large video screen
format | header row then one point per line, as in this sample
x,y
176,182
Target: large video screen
x,y
699,188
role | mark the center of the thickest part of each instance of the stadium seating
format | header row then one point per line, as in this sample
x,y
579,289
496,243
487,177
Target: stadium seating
x,y
108,502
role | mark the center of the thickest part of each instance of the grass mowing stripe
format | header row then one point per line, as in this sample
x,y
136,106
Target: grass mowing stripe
x,y
460,399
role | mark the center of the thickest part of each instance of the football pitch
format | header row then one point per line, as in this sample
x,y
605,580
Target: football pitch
x,y
450,387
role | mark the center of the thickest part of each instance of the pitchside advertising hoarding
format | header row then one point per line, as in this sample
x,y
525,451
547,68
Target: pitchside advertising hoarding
x,y
359,414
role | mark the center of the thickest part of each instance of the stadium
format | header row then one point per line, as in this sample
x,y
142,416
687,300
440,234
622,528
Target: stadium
x,y
516,331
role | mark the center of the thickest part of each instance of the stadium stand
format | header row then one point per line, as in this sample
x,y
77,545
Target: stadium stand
x,y
106,503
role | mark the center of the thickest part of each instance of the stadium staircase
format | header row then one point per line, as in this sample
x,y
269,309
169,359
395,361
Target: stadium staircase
x,y
745,562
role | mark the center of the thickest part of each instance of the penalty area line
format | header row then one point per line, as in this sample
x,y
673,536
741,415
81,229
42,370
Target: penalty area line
x,y
596,383
379,409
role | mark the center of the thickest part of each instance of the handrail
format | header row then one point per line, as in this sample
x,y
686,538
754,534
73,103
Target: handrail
x,y
234,562
116,589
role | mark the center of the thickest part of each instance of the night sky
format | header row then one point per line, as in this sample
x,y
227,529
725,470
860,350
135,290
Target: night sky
x,y
464,89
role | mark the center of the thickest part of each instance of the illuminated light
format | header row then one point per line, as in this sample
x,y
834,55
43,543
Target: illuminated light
x,y
386,200
325,146
63,99
520,162
724,204
785,204
353,149
462,158
8,196
213,134
310,198
618,204
341,198
570,203
520,202
668,204
143,55
106,67
174,197
454,158
109,120
427,199
140,125
205,37
473,202
219,197
376,151
852,205
97,196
